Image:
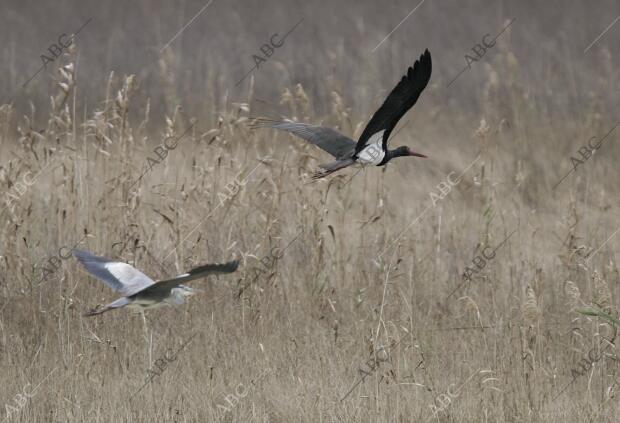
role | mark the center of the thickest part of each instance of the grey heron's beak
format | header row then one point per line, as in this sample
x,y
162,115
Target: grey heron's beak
x,y
189,290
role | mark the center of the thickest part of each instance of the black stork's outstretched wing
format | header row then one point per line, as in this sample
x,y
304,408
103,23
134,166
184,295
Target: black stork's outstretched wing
x,y
400,100
327,139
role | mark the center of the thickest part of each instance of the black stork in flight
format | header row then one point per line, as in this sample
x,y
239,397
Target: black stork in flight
x,y
371,148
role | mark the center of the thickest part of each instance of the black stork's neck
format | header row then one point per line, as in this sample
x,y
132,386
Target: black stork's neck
x,y
401,151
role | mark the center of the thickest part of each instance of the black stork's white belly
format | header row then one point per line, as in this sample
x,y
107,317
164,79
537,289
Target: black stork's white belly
x,y
373,153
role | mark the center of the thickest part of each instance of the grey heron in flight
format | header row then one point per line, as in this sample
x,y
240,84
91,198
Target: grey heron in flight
x,y
371,148
138,290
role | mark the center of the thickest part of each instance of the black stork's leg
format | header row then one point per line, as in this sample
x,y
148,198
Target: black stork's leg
x,y
329,168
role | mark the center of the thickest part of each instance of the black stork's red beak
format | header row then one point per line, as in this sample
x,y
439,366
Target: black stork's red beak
x,y
413,153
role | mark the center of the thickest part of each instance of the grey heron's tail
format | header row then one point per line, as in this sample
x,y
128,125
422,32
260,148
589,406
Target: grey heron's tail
x,y
121,302
96,311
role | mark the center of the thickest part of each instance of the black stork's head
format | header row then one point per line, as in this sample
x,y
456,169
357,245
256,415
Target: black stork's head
x,y
402,151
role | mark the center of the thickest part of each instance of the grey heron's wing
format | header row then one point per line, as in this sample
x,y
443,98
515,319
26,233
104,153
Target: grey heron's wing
x,y
119,276
398,102
327,139
163,287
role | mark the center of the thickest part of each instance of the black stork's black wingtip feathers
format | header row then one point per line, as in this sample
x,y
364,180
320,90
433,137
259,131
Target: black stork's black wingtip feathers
x,y
422,66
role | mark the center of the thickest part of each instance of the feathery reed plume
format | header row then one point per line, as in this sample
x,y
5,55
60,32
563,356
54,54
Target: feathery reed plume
x,y
530,309
574,295
303,101
602,294
287,99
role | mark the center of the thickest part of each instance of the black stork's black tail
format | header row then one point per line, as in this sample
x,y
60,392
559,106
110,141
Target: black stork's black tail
x,y
331,167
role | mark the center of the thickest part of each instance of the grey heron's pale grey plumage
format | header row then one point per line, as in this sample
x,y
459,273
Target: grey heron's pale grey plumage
x,y
138,290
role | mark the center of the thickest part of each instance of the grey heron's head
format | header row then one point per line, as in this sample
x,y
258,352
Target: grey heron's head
x,y
187,291
179,293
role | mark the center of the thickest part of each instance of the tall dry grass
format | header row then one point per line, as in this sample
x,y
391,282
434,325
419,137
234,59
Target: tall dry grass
x,y
287,341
